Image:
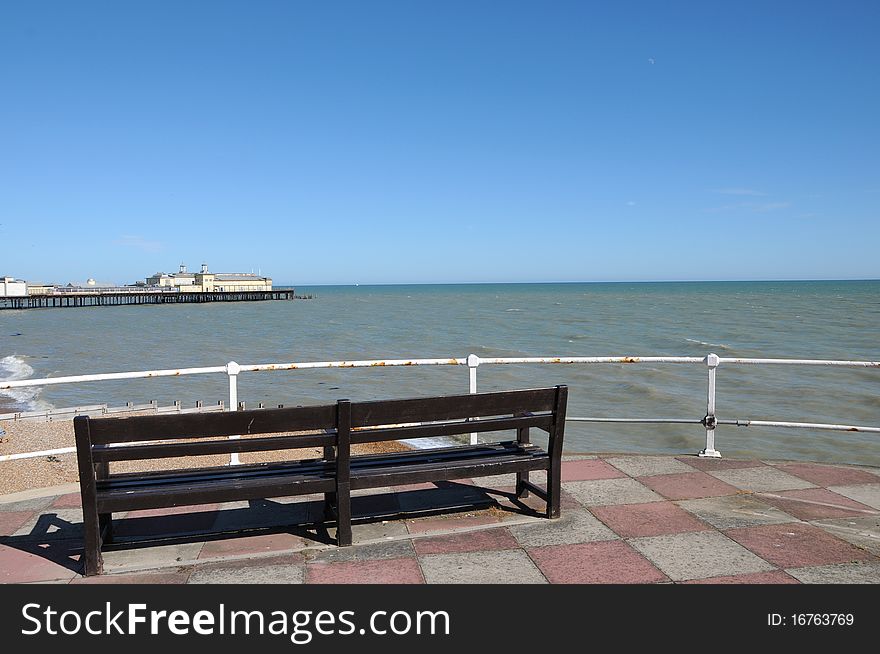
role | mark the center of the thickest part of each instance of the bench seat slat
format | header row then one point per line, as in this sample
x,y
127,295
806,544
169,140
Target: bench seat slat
x,y
310,466
199,475
211,492
443,470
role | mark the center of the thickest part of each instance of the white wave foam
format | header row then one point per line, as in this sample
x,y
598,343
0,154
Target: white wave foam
x,y
718,345
14,368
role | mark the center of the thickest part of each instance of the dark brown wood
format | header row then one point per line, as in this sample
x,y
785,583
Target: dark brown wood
x,y
93,563
554,474
200,448
523,437
335,475
207,425
343,473
450,407
436,429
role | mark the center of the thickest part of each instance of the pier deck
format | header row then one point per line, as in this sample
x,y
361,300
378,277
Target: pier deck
x,y
120,298
625,519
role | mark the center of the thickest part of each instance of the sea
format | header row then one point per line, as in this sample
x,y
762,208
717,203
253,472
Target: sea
x,y
810,319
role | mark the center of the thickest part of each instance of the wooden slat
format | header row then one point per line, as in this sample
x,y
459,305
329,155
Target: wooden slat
x,y
451,407
205,425
557,433
375,435
457,453
212,492
228,474
225,446
419,474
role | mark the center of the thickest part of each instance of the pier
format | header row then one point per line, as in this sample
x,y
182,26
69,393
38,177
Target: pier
x,y
122,297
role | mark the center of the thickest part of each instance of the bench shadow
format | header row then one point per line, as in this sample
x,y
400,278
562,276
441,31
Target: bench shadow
x,y
52,538
61,541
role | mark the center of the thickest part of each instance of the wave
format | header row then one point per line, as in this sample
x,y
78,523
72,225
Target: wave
x,y
718,345
14,368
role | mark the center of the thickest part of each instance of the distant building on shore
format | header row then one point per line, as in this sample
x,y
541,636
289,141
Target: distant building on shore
x,y
12,287
208,282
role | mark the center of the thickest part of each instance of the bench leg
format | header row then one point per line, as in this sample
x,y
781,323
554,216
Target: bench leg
x,y
93,562
521,490
343,516
554,489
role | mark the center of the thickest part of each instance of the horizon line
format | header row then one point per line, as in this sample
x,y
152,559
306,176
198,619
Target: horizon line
x,y
608,281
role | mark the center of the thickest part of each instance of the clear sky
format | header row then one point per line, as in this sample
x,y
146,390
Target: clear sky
x,y
445,141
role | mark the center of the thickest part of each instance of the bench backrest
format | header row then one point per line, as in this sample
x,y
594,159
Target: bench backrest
x,y
336,425
183,434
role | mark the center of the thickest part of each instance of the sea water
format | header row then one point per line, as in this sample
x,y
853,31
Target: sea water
x,y
828,319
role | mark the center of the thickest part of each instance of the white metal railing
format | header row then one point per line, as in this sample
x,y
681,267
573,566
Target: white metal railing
x,y
709,421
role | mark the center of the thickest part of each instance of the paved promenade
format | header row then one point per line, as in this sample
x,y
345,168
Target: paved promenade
x,y
625,519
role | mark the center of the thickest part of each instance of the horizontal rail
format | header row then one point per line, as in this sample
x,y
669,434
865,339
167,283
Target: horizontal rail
x,y
232,370
369,363
33,455
799,425
800,362
564,360
109,376
450,361
659,421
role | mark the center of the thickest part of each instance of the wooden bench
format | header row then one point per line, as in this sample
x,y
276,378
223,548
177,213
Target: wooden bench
x,y
102,441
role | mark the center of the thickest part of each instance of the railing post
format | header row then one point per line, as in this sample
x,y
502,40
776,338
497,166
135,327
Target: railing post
x,y
473,361
710,420
232,370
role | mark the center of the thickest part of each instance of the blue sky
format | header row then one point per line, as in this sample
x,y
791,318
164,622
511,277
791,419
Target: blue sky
x,y
409,142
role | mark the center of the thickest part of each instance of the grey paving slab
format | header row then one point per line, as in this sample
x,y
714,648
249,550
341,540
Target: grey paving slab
x,y
862,531
842,573
394,549
497,567
644,466
250,574
699,555
573,527
603,492
158,556
761,480
54,524
506,481
31,504
868,494
732,511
